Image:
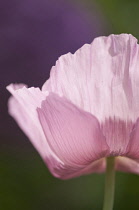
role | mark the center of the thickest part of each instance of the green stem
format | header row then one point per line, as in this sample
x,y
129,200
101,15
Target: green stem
x,y
109,184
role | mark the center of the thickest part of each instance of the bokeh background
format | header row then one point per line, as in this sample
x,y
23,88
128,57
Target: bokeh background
x,y
33,34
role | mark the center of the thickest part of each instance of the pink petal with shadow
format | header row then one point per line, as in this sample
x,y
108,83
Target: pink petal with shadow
x,y
73,134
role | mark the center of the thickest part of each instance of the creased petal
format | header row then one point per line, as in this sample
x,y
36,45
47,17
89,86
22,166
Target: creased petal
x,y
73,135
117,133
103,79
22,107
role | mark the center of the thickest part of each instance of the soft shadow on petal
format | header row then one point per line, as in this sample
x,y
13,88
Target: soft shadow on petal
x,y
117,133
126,164
133,145
73,134
68,172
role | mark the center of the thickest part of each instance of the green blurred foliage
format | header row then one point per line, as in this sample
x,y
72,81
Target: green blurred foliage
x,y
25,183
122,15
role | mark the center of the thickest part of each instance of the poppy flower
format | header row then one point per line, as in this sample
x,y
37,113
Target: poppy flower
x,y
87,110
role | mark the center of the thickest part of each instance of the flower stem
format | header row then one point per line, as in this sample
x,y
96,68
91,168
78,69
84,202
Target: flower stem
x,y
109,184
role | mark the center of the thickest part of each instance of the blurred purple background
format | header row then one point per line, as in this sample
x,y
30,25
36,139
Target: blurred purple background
x,y
33,34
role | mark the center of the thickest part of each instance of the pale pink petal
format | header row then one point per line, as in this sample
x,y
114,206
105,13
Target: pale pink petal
x,y
103,79
73,134
13,87
22,107
126,164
